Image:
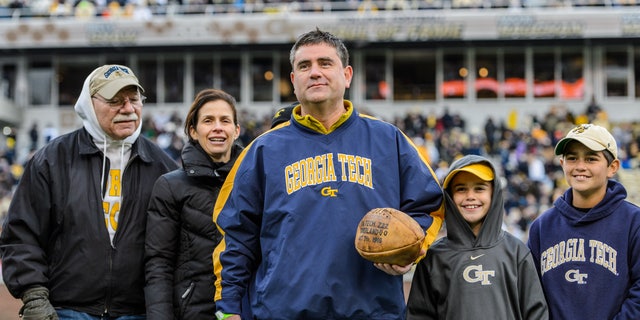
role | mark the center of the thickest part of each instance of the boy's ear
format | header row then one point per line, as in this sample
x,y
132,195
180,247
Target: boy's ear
x,y
613,168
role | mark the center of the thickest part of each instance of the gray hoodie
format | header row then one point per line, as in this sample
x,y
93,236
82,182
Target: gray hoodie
x,y
491,276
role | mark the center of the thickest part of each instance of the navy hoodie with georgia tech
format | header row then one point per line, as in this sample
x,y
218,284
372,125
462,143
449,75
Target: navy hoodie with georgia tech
x,y
589,262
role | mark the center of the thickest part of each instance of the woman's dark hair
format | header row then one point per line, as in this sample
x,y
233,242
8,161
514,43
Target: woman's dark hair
x,y
201,99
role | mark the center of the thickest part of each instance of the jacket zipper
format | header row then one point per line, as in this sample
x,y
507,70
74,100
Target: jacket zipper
x,y
108,297
186,293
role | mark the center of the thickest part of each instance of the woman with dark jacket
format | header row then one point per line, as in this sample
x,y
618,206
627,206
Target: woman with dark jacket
x,y
181,234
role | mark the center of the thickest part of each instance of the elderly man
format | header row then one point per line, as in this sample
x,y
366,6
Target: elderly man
x,y
74,236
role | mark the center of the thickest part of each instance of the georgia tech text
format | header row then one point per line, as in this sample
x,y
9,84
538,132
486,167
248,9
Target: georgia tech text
x,y
321,168
573,249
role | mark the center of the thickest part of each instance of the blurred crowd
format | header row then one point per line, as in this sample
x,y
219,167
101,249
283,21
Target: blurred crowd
x,y
520,146
147,8
522,150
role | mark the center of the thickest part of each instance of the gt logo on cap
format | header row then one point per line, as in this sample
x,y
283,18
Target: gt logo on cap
x,y
113,69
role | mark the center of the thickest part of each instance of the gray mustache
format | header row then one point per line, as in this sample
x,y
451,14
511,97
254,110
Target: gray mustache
x,y
129,117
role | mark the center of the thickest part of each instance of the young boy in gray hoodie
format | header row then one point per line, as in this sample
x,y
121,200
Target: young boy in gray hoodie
x,y
478,269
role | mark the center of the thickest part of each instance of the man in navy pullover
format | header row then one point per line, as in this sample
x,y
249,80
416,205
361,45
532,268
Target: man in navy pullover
x,y
290,207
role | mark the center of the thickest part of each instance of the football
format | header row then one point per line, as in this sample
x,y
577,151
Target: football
x,y
387,235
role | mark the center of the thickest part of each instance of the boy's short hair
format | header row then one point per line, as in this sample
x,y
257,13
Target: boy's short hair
x,y
481,170
594,137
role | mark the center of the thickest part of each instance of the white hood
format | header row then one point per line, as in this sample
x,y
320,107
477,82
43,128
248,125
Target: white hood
x,y
84,108
117,151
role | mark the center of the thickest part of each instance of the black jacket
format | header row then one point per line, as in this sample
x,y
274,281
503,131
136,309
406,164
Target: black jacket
x,y
55,233
181,236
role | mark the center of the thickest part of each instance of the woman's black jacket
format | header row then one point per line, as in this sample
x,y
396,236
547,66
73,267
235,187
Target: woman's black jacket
x,y
181,236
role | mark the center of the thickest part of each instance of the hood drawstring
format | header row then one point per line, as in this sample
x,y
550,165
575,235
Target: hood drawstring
x,y
122,166
104,166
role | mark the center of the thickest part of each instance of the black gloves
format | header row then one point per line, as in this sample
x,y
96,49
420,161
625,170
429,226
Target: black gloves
x,y
36,305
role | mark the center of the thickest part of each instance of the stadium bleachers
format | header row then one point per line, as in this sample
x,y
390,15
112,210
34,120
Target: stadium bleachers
x,y
125,8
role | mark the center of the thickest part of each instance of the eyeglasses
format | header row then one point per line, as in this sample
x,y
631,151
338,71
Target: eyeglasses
x,y
117,103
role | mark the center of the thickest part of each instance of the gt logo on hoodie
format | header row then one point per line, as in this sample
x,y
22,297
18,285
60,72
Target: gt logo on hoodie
x,y
574,275
474,273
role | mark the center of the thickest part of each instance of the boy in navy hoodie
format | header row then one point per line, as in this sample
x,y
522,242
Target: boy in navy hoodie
x,y
587,246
